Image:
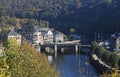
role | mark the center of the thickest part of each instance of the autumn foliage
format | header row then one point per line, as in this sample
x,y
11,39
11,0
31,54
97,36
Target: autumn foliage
x,y
24,61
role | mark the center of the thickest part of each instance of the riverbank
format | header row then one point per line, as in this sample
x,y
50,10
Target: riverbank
x,y
105,61
100,65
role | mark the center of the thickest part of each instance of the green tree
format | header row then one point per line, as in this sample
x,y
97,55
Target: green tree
x,y
99,52
94,45
32,22
109,1
106,56
24,61
119,63
113,59
72,30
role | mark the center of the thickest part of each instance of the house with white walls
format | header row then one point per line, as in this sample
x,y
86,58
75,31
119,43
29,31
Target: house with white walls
x,y
46,36
118,44
58,36
14,35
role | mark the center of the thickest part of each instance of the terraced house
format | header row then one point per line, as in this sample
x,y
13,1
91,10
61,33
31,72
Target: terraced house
x,y
46,36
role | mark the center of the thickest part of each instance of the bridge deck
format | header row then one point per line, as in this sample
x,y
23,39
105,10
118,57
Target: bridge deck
x,y
84,45
68,43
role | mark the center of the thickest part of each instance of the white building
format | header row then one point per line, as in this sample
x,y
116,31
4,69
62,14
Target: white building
x,y
14,35
118,44
38,38
58,37
48,37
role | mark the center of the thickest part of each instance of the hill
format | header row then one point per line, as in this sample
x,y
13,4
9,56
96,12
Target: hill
x,y
86,16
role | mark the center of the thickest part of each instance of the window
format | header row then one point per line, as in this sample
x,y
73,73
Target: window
x,y
10,37
17,38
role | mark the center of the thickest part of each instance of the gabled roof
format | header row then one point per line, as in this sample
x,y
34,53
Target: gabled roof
x,y
57,32
43,32
36,29
12,33
49,32
46,32
118,38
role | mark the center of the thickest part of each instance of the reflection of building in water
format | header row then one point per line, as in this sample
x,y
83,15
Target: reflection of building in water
x,y
50,59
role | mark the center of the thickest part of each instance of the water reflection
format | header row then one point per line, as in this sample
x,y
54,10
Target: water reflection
x,y
75,66
50,59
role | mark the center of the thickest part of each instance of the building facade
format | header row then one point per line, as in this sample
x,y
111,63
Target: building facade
x,y
58,37
48,37
118,44
14,35
38,38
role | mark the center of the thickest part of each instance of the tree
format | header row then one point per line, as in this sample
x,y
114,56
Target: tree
x,y
24,61
119,63
106,56
72,30
94,45
109,1
99,52
32,22
113,59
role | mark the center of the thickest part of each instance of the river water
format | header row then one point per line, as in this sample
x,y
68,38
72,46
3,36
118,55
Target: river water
x,y
75,66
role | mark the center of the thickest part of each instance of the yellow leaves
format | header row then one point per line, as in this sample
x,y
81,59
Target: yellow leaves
x,y
24,61
112,74
115,73
12,43
2,75
4,68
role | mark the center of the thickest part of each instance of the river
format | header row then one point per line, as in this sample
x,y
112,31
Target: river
x,y
75,66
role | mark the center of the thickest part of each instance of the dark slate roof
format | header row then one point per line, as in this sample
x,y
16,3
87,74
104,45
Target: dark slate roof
x,y
36,29
12,33
57,32
44,32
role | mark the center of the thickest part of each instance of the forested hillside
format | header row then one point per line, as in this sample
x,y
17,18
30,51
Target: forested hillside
x,y
86,16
